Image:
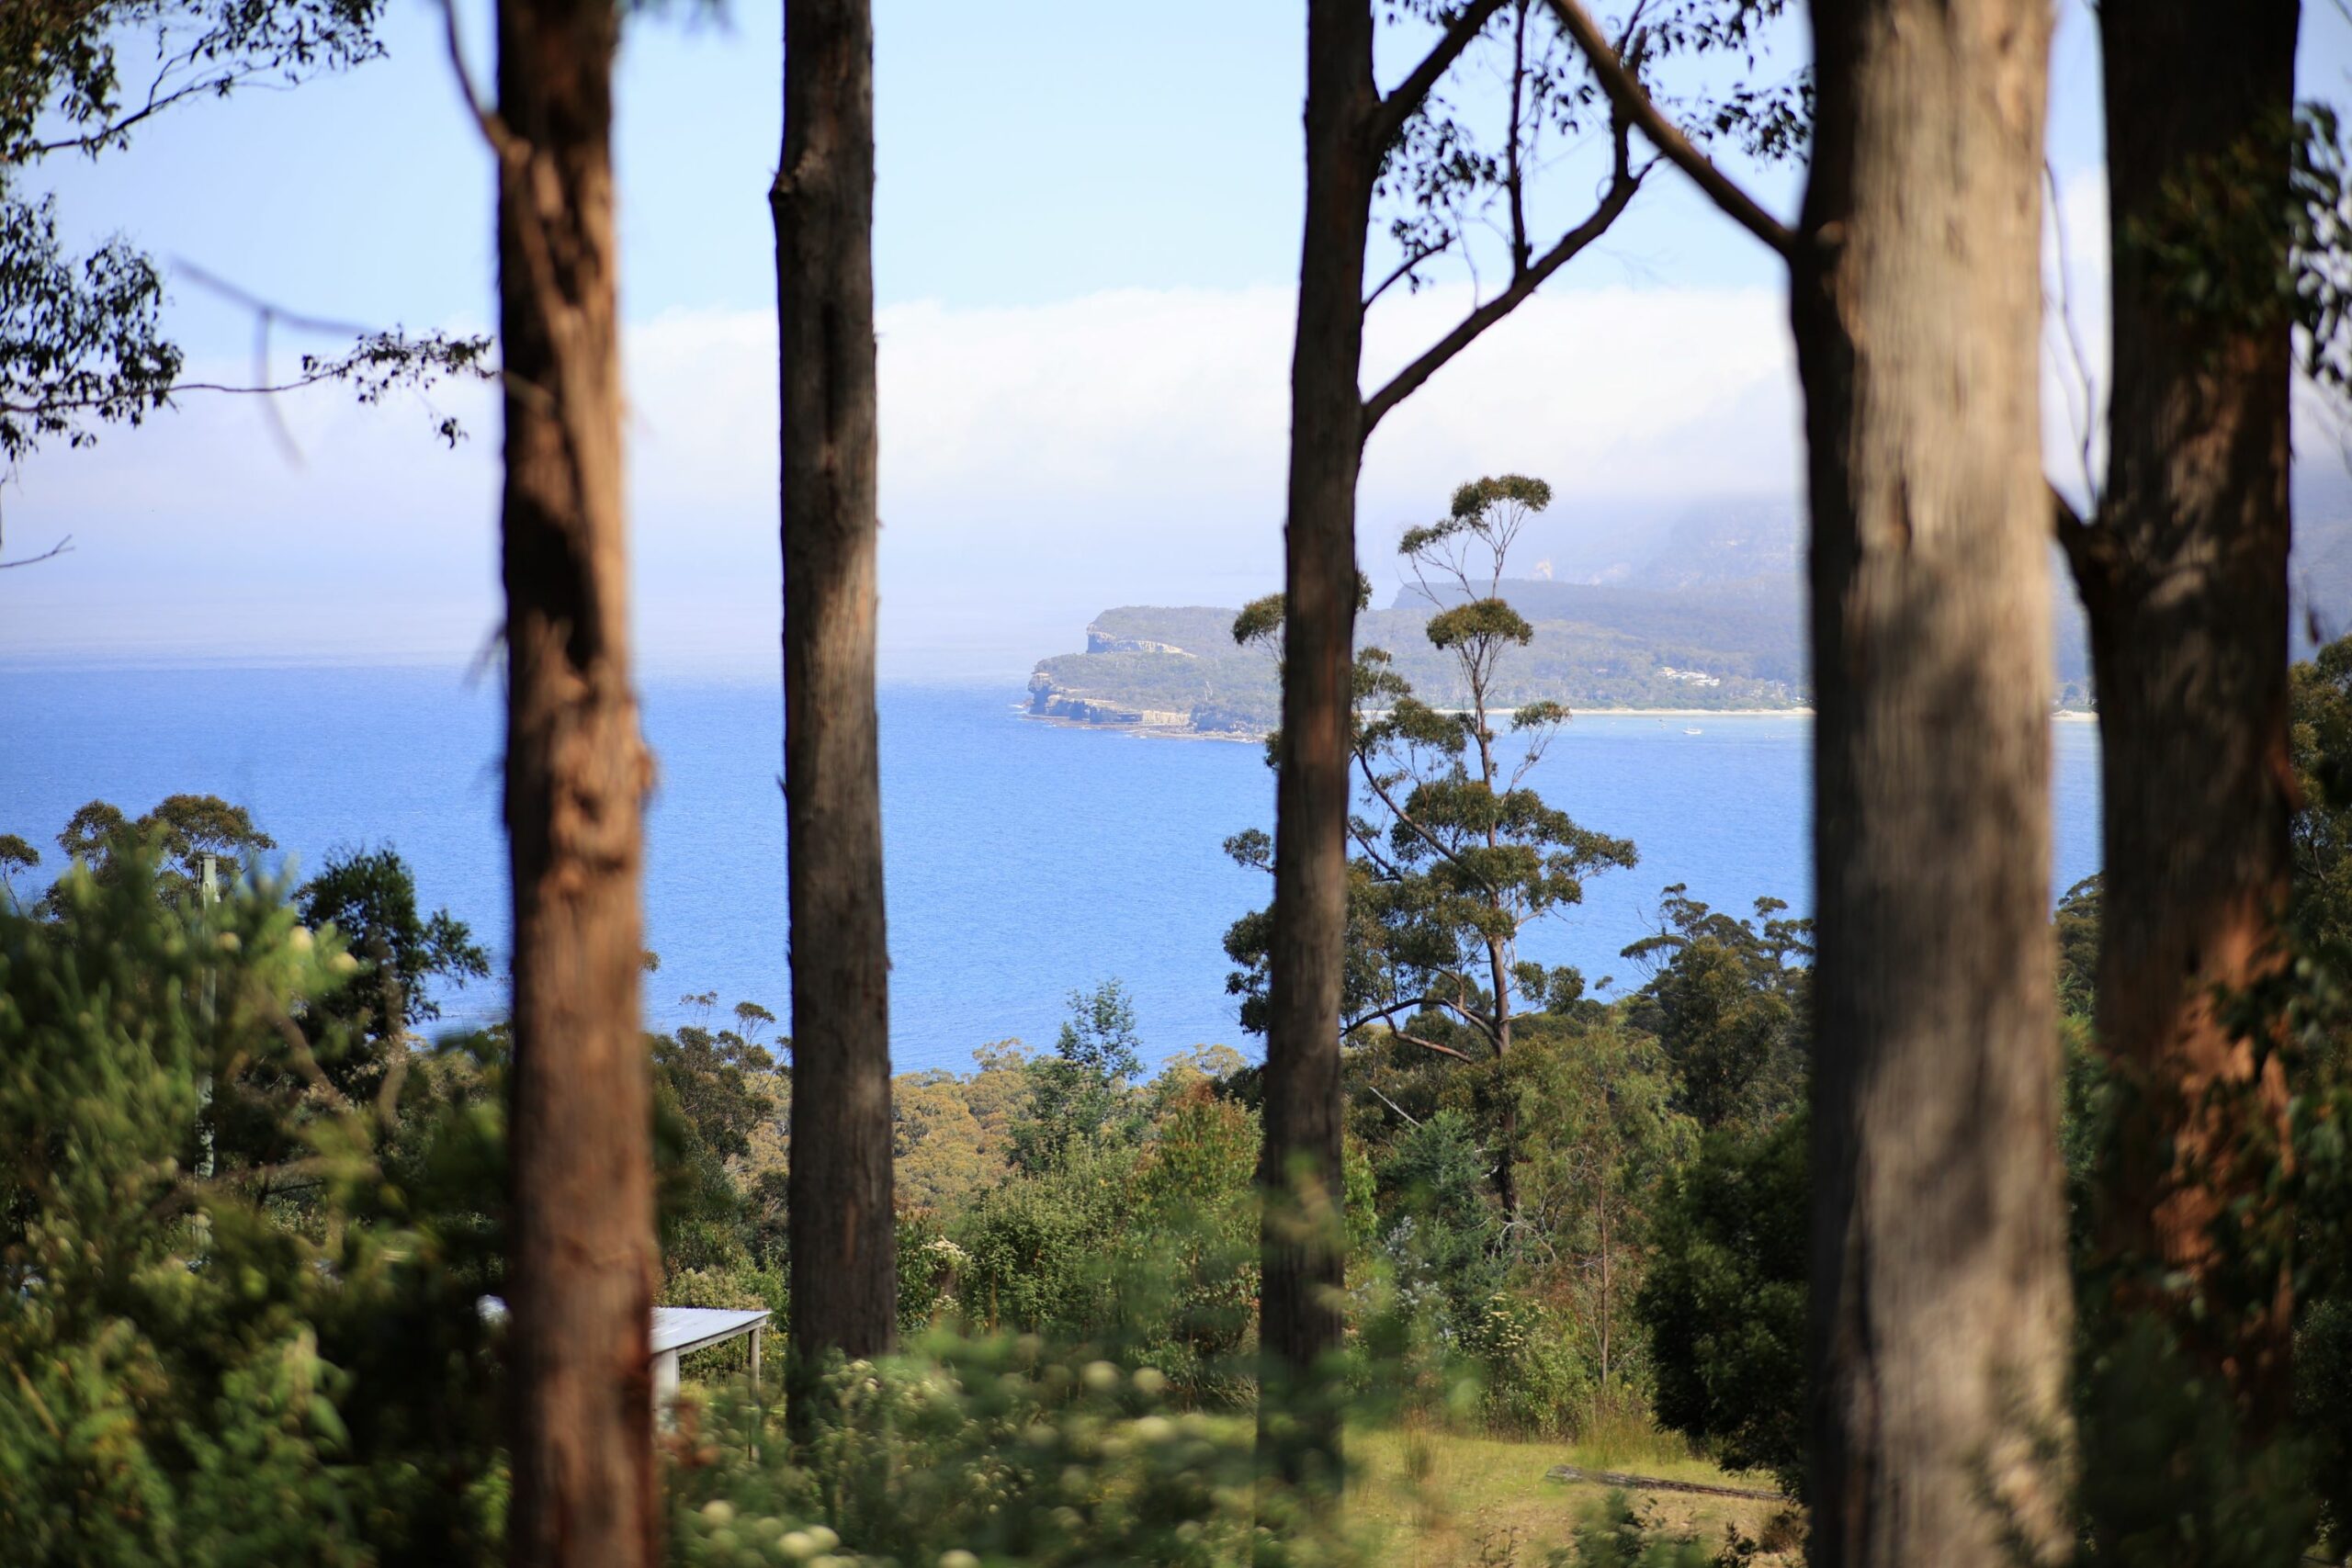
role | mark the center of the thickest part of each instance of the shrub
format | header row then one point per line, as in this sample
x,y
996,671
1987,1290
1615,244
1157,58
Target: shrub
x,y
1725,1301
276,1363
986,1449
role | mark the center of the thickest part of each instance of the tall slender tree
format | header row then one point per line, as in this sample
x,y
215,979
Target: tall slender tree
x,y
2182,568
1356,137
842,1230
582,1268
1459,855
1940,1293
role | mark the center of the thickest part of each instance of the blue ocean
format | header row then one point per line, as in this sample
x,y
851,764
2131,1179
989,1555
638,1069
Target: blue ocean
x,y
1025,860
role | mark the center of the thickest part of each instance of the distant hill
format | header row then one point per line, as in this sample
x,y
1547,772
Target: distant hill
x,y
1704,612
1179,670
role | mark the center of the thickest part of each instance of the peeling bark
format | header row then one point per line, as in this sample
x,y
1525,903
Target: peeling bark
x,y
2186,593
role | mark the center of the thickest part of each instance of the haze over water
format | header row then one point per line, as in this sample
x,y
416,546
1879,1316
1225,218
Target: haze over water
x,y
1024,859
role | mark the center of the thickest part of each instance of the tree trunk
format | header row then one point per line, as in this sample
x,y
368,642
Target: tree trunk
x,y
842,1230
1604,1287
580,1271
2185,577
1940,1338
1303,1263
1507,1120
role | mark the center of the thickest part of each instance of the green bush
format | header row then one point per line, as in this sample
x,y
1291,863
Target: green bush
x,y
1614,1534
986,1449
1725,1301
276,1363
1536,1381
2324,1409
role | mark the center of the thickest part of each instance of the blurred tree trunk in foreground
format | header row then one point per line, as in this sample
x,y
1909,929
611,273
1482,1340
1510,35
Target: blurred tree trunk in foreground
x,y
582,1266
842,1235
1940,1302
1939,1297
2183,569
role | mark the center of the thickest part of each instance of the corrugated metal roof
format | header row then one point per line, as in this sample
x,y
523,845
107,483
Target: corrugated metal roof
x,y
691,1328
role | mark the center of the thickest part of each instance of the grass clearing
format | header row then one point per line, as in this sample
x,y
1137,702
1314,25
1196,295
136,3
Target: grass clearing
x,y
1448,1500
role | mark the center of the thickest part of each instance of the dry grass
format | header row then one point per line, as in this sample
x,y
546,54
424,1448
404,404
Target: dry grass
x,y
1444,1500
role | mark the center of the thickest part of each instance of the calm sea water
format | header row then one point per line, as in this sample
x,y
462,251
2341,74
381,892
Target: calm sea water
x,y
1024,859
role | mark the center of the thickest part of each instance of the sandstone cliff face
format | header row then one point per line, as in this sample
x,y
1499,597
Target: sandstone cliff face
x,y
1047,699
1100,641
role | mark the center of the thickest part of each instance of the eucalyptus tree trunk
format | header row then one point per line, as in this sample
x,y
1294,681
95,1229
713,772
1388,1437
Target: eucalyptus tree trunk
x,y
1939,1291
580,1271
1499,976
1298,1423
841,1228
2184,573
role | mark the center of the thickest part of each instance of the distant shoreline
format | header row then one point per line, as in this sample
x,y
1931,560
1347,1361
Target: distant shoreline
x,y
2061,716
1181,732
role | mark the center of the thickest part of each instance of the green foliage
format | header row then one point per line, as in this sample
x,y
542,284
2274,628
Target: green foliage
x,y
60,68
175,839
368,896
1725,1301
2176,1484
2320,750
1082,1094
1440,1227
2319,218
1458,854
989,1449
1036,1246
82,343
1146,1253
710,1093
15,855
1190,1253
2324,1413
274,1365
1614,1534
2075,927
1604,1142
80,336
1730,1006
929,1265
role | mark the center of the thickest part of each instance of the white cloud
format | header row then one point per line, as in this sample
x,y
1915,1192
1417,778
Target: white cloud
x,y
1038,464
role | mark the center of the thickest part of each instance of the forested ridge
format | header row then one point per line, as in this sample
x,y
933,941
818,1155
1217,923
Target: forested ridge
x,y
1713,622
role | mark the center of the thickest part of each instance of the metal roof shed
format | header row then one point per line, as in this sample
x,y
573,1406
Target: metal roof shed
x,y
678,1330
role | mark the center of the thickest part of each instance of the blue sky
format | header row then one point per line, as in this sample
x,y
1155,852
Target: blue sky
x,y
1087,221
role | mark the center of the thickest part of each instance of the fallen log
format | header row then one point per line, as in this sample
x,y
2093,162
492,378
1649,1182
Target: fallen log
x,y
1658,1484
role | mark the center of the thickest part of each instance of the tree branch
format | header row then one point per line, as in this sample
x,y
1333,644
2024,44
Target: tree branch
x,y
501,141
1410,1005
1624,181
1515,181
1388,800
1399,105
1405,267
1632,102
63,547
93,140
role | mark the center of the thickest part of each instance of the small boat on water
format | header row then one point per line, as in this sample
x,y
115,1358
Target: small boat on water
x,y
1689,732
